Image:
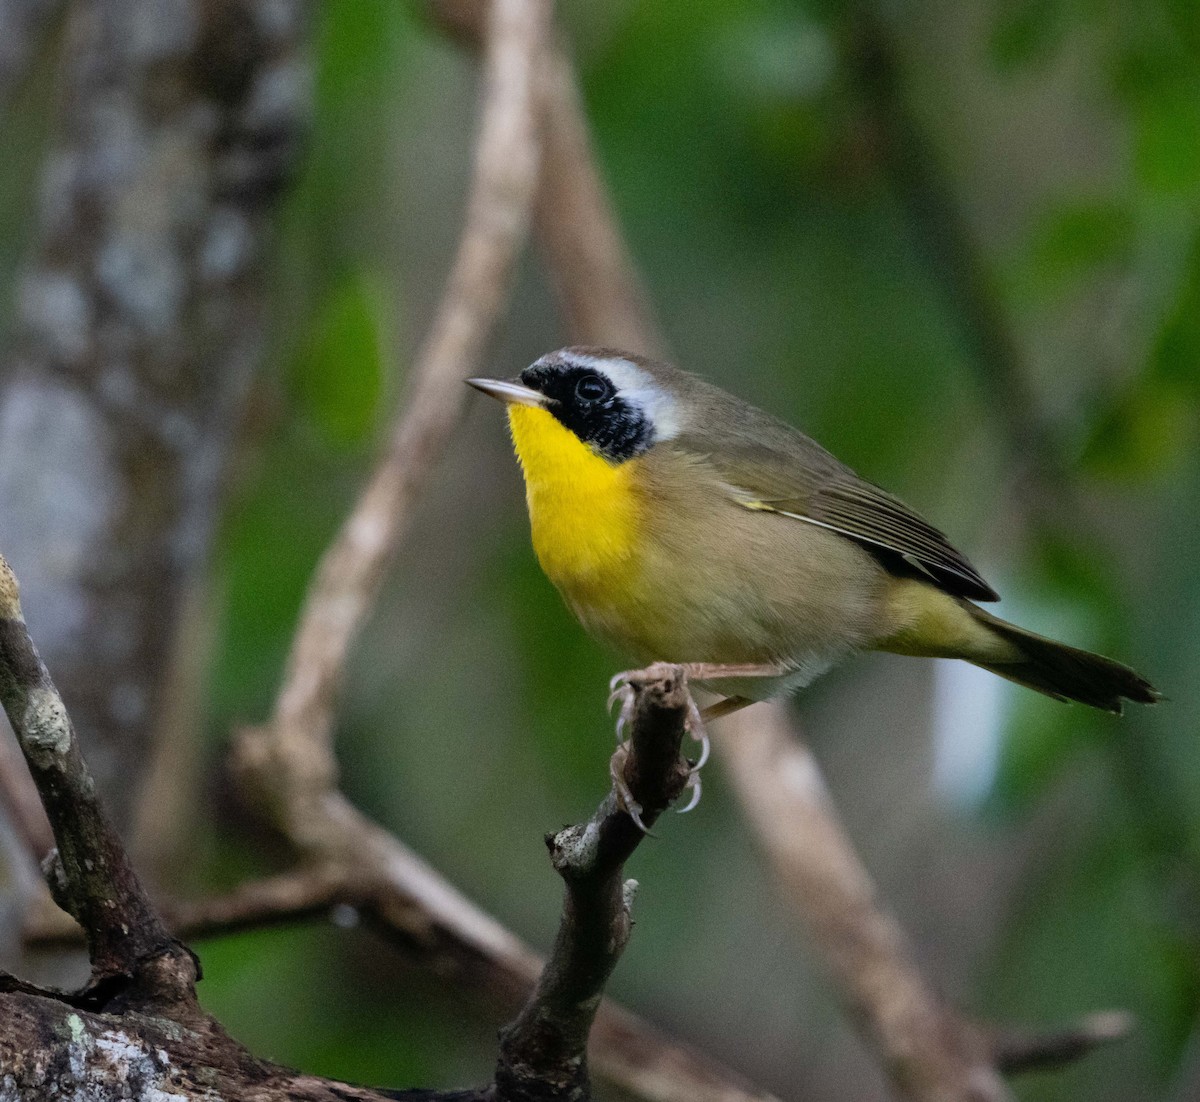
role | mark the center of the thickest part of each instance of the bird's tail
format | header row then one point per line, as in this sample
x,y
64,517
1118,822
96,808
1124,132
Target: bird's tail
x,y
1065,673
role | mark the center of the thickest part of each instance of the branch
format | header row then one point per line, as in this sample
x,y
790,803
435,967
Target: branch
x,y
543,1054
598,287
91,877
21,804
930,1052
51,1049
351,571
156,1035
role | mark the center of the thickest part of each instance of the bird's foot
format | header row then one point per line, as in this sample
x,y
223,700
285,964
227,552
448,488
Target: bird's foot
x,y
625,799
621,689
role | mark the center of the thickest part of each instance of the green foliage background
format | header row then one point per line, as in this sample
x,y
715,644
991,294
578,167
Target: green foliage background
x,y
780,248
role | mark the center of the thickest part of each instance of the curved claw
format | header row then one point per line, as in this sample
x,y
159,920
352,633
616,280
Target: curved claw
x,y
694,784
618,693
617,681
705,751
634,811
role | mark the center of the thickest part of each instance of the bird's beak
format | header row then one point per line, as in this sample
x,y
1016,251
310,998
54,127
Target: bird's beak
x,y
505,390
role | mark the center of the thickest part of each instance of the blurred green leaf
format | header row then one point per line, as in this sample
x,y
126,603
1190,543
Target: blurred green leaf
x,y
1143,431
338,377
1079,238
1176,353
1027,32
1168,137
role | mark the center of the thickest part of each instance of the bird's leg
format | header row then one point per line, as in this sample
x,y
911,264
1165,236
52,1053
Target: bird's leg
x,y
621,690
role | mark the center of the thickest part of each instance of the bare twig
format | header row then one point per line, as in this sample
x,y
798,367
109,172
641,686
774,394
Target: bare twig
x,y
91,876
351,570
543,1053
546,1047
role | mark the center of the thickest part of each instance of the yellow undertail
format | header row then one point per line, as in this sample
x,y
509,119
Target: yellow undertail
x,y
933,624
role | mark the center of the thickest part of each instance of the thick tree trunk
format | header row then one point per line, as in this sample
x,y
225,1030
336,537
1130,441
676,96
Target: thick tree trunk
x,y
139,327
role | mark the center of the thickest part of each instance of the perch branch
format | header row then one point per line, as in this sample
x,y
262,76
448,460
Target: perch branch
x,y
91,876
543,1053
546,1047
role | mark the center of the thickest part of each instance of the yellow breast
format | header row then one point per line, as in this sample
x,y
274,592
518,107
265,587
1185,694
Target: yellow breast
x,y
583,510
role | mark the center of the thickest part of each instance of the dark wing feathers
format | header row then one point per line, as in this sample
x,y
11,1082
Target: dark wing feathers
x,y
865,512
772,466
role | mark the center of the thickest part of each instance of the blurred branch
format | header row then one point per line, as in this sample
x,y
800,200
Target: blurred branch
x,y
598,287
930,1052
19,798
956,262
298,738
90,874
599,290
23,25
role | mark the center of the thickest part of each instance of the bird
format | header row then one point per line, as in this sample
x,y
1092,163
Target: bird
x,y
684,525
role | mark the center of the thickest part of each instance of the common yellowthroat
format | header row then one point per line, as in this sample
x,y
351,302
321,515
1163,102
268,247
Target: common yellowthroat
x,y
684,525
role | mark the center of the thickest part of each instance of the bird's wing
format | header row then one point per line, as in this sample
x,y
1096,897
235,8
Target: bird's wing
x,y
783,471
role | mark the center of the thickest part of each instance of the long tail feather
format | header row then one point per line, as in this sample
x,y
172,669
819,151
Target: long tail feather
x,y
1063,672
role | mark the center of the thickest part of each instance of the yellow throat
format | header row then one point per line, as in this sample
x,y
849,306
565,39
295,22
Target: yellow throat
x,y
583,510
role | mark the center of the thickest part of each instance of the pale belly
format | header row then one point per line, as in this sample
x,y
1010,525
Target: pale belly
x,y
769,591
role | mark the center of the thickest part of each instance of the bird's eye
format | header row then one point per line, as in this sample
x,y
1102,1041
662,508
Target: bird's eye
x,y
591,388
